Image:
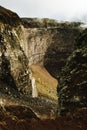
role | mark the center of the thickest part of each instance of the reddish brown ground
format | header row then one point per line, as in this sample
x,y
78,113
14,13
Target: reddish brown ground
x,y
21,118
42,76
46,84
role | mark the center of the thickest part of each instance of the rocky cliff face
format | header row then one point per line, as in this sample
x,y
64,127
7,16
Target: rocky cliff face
x,y
49,43
33,41
72,90
13,61
36,43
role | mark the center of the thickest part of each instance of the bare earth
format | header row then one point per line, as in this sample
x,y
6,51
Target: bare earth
x,y
46,84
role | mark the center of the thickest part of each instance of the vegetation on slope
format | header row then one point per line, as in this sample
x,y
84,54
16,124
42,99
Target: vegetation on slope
x,y
72,90
8,17
46,84
60,49
46,23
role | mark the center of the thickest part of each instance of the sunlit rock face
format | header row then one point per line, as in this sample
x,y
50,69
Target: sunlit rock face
x,y
36,43
14,69
72,90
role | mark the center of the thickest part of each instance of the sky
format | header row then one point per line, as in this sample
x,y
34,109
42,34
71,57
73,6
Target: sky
x,y
62,10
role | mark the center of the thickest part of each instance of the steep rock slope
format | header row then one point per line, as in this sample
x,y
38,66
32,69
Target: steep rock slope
x,y
8,17
43,44
40,41
49,42
72,90
35,42
62,45
13,61
15,82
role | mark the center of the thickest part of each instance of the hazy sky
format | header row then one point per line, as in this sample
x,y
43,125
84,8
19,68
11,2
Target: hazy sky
x,y
57,9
